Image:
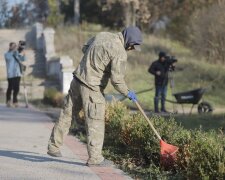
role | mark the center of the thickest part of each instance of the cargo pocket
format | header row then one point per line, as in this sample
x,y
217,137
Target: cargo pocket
x,y
96,107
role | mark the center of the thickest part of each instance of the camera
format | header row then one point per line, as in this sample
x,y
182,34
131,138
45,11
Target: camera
x,y
170,61
21,46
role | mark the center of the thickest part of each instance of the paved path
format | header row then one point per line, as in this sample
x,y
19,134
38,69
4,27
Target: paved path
x,y
23,140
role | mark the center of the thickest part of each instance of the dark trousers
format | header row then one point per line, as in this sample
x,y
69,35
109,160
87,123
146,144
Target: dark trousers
x,y
160,93
13,85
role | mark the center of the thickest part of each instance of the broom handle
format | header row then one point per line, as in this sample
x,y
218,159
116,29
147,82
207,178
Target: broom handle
x,y
147,119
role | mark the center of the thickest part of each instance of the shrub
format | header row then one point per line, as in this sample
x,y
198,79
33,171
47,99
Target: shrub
x,y
132,144
203,156
53,97
207,32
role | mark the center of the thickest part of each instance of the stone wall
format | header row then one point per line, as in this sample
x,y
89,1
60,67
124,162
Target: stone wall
x,y
57,68
66,73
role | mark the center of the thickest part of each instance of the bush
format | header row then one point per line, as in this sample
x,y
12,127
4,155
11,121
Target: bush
x,y
132,144
203,156
53,97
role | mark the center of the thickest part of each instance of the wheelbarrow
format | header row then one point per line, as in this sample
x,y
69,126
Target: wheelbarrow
x,y
193,97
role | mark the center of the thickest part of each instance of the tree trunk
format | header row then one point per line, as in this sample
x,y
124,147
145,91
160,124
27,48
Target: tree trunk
x,y
133,14
129,14
76,12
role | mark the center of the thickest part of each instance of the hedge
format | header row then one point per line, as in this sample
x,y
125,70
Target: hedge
x,y
131,144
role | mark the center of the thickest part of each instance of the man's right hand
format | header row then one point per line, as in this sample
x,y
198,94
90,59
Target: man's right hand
x,y
158,73
132,96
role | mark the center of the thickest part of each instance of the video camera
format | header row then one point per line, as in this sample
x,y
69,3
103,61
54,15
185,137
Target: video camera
x,y
21,46
170,61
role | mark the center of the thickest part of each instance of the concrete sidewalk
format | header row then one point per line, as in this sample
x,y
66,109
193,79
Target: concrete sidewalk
x,y
24,135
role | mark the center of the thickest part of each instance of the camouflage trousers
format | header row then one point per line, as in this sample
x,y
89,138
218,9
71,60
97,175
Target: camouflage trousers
x,y
93,104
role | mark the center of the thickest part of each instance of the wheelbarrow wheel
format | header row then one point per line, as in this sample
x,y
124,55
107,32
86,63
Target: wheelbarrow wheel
x,y
205,107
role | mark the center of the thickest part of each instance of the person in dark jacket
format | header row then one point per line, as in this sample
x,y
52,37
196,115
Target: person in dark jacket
x,y
159,69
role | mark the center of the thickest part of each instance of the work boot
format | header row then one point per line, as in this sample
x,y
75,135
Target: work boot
x,y
8,104
163,107
164,111
54,153
104,163
15,105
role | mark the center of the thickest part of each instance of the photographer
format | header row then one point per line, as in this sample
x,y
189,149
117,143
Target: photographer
x,y
160,69
13,59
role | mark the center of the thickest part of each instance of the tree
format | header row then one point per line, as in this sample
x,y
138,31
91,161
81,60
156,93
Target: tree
x,y
207,32
24,13
15,17
54,17
71,11
91,11
40,9
128,10
181,17
76,12
143,14
3,12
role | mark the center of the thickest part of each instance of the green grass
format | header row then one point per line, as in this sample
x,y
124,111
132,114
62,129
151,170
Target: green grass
x,y
192,72
205,122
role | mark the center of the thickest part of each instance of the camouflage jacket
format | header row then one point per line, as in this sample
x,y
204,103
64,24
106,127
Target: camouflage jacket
x,y
104,58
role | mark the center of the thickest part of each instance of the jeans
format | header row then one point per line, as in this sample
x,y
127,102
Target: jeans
x,y
13,85
160,93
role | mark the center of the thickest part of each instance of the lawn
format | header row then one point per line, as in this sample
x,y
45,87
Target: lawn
x,y
204,122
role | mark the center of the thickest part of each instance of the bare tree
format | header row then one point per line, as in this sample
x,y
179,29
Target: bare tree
x,y
3,12
207,33
41,8
76,12
129,10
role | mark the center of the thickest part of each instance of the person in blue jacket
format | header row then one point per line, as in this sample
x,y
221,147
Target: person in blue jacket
x,y
12,58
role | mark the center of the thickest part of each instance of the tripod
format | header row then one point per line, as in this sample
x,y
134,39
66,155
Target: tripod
x,y
25,91
172,85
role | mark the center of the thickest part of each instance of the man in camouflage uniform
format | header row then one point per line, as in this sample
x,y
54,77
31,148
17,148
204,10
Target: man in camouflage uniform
x,y
104,58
